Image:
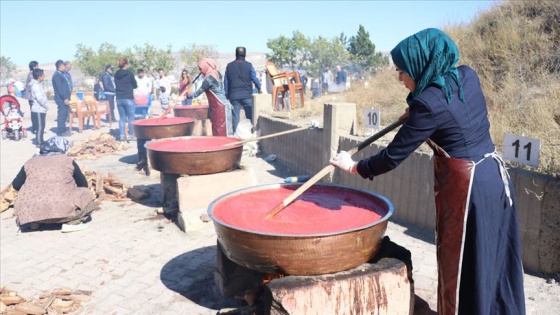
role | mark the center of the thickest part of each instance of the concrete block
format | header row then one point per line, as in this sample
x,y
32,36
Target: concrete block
x,y
381,288
196,192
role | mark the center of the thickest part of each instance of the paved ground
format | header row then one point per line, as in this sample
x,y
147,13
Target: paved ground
x,y
137,262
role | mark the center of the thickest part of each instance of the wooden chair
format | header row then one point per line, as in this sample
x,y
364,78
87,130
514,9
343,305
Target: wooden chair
x,y
282,83
81,109
100,108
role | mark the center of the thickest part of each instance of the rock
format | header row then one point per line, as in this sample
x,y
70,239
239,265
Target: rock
x,y
138,192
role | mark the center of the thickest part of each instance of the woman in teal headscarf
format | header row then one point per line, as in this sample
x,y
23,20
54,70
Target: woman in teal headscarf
x,y
478,240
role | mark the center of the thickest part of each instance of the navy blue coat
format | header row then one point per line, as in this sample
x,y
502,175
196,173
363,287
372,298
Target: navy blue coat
x,y
61,87
239,78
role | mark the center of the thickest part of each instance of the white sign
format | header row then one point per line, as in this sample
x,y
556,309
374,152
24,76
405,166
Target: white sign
x,y
522,149
372,118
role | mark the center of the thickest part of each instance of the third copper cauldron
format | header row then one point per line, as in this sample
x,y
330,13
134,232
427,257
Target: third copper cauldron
x,y
327,229
167,127
197,112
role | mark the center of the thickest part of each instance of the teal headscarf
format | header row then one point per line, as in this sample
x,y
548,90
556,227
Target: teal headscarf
x,y
429,57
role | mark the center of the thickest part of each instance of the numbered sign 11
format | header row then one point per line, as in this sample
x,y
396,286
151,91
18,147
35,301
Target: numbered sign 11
x,y
522,149
372,118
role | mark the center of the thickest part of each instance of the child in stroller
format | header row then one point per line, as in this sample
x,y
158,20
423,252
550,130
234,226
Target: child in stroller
x,y
13,123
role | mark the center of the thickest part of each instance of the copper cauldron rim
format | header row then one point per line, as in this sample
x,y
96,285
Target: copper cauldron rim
x,y
136,122
277,185
191,137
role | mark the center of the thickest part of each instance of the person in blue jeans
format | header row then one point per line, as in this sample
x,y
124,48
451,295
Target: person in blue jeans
x,y
238,85
125,84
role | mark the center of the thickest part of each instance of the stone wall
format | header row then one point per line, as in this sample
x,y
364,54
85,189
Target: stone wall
x,y
410,186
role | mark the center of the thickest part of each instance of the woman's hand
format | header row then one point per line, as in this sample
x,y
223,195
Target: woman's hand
x,y
344,161
405,115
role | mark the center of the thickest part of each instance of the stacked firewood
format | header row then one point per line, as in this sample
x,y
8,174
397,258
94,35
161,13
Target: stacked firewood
x,y
106,187
94,147
59,301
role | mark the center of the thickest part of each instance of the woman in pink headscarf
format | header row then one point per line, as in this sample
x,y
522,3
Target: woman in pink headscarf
x,y
220,109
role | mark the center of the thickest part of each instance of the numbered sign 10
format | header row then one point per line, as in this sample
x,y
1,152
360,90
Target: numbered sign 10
x,y
522,149
372,118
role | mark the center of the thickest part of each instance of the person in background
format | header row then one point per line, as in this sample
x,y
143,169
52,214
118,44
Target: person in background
x,y
125,83
220,116
340,79
163,98
238,85
97,90
478,241
108,82
163,81
40,104
185,87
144,83
52,189
68,66
326,80
32,65
62,92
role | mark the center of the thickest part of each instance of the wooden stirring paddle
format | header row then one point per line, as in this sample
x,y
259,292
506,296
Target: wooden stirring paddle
x,y
327,169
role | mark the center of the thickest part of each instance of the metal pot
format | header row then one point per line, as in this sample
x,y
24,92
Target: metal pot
x,y
309,254
197,112
180,156
156,128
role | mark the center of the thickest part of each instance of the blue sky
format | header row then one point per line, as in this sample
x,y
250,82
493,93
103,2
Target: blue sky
x,y
49,30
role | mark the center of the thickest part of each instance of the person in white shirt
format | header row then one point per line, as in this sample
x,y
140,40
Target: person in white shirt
x,y
144,83
163,81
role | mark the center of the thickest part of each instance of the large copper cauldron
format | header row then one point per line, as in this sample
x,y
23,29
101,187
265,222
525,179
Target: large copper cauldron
x,y
156,128
184,155
197,112
299,254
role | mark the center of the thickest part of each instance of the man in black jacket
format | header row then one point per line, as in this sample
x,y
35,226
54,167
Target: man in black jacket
x,y
62,92
108,83
238,86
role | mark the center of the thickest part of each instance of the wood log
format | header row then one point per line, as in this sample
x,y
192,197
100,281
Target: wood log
x,y
112,190
10,300
29,308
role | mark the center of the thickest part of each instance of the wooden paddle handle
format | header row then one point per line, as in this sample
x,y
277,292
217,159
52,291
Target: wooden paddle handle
x,y
267,136
329,168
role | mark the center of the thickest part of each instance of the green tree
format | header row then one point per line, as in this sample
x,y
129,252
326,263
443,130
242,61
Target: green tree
x,y
149,58
363,53
191,54
7,67
324,52
293,51
92,63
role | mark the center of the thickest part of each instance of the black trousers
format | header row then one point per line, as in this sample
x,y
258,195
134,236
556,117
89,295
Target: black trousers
x,y
38,120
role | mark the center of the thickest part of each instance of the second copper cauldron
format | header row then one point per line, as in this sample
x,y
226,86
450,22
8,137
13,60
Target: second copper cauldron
x,y
168,127
195,155
197,112
328,229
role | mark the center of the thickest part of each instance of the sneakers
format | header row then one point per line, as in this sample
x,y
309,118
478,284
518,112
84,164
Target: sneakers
x,y
67,228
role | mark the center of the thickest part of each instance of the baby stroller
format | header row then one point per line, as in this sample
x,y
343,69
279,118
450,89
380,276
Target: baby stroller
x,y
13,124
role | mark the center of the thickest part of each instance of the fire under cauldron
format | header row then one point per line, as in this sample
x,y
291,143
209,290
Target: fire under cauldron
x,y
197,112
156,128
328,229
195,155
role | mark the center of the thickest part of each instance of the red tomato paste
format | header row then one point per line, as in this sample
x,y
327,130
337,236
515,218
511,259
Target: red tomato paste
x,y
163,121
318,210
195,144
